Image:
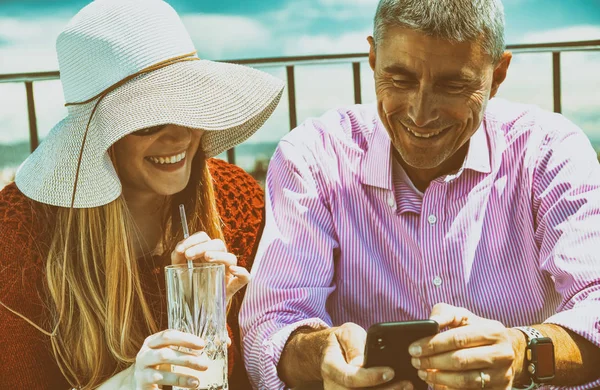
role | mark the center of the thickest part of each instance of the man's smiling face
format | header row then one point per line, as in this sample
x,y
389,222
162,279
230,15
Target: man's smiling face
x,y
431,93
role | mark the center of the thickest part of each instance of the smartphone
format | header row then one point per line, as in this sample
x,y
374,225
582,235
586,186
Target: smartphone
x,y
387,346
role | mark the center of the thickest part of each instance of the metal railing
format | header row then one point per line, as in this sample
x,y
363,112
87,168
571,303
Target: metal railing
x,y
355,59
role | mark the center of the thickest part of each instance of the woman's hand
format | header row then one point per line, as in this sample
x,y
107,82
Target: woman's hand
x,y
200,247
151,369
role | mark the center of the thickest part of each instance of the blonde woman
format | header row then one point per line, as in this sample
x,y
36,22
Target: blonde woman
x,y
91,220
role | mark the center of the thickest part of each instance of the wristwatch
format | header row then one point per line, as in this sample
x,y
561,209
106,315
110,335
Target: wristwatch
x,y
539,355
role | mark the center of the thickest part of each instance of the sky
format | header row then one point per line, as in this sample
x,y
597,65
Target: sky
x,y
234,29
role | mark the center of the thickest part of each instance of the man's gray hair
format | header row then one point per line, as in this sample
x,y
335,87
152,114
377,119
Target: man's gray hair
x,y
454,20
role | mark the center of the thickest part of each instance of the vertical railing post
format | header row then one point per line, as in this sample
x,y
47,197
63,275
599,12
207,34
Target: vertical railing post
x,y
33,133
291,85
231,156
556,84
357,86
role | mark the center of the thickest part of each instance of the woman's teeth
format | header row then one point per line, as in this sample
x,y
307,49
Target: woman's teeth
x,y
167,160
420,135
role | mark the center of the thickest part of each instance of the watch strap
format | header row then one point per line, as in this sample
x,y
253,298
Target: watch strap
x,y
530,333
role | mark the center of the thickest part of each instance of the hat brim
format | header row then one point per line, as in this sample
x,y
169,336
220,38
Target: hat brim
x,y
230,102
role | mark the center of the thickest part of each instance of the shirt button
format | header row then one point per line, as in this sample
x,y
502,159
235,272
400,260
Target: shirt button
x,y
437,281
391,201
432,219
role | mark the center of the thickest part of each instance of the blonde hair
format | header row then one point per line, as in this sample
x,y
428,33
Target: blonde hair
x,y
98,310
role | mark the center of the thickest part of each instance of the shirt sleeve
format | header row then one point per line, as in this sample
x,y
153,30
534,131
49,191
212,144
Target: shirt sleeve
x,y
294,267
566,200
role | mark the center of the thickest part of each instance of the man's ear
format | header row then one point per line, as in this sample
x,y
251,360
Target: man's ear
x,y
371,52
500,72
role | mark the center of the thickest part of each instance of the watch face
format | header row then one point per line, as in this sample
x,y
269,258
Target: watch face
x,y
544,356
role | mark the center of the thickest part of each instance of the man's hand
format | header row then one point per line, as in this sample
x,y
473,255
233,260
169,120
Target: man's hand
x,y
473,349
343,357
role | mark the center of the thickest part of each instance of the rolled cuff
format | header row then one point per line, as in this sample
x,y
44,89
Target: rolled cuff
x,y
585,321
273,347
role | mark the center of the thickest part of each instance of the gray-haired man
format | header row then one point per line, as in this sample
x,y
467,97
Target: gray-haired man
x,y
483,215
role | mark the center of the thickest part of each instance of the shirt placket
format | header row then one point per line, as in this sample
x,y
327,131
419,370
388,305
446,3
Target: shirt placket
x,y
436,276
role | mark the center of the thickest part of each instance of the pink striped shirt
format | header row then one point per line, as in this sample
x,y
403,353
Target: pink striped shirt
x,y
513,236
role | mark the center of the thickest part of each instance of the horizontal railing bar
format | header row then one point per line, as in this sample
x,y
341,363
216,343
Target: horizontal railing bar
x,y
296,59
557,46
566,49
331,61
591,45
27,77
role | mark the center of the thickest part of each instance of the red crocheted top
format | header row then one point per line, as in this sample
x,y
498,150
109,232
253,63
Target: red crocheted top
x,y
25,358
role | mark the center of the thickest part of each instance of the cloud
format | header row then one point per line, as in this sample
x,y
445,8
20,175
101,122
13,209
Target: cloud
x,y
362,3
226,36
330,17
29,44
529,78
530,74
565,34
31,48
364,10
20,30
13,115
327,44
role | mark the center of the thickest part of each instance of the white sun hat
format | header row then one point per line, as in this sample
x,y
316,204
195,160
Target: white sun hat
x,y
126,65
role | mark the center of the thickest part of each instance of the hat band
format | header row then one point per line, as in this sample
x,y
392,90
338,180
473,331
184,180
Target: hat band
x,y
158,65
186,57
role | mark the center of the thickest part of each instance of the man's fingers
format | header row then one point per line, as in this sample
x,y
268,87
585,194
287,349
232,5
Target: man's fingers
x,y
351,376
457,318
352,339
336,368
451,340
404,385
480,333
451,316
494,378
467,359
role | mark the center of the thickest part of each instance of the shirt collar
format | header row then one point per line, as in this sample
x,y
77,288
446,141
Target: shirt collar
x,y
478,155
376,163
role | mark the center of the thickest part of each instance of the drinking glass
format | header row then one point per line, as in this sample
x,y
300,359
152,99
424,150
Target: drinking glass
x,y
196,302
